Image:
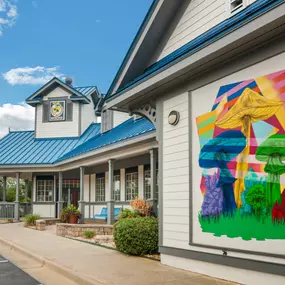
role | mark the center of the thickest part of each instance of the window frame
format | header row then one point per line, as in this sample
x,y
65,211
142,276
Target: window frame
x,y
45,196
134,191
116,193
100,190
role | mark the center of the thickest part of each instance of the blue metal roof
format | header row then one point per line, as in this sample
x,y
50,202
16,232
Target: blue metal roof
x,y
85,90
21,147
257,8
127,130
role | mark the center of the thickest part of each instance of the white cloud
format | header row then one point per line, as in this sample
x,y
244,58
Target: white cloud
x,y
17,117
8,14
31,75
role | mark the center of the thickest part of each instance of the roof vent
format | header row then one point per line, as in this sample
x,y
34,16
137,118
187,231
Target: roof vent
x,y
68,81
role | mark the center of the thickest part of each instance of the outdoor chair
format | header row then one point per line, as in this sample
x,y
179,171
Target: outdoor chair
x,y
104,214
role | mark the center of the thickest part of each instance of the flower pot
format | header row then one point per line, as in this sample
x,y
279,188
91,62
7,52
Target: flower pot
x,y
73,219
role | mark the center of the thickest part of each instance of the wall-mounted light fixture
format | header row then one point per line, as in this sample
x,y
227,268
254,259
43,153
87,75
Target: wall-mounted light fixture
x,y
173,118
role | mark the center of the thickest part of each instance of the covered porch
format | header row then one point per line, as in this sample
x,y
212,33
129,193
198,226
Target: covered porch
x,y
106,180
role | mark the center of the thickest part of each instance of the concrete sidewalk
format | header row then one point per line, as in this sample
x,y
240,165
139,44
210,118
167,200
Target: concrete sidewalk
x,y
95,264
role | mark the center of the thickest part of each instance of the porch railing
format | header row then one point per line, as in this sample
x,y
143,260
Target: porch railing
x,y
7,210
25,209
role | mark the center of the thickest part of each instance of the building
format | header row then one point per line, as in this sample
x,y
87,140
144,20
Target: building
x,y
71,158
213,83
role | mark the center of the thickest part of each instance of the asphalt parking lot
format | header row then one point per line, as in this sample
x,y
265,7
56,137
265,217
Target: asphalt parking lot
x,y
12,275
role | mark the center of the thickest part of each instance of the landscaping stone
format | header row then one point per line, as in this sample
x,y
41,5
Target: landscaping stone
x,y
77,230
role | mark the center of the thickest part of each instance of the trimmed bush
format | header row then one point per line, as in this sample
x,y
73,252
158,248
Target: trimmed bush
x,y
89,234
137,236
30,220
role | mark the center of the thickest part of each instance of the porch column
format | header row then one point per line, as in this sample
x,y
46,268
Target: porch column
x,y
60,201
4,188
17,202
153,180
26,190
81,197
110,201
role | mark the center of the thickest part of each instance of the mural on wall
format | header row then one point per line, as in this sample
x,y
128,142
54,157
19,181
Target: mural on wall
x,y
242,149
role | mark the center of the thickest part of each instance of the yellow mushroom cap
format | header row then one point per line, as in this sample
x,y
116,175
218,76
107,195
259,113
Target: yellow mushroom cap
x,y
252,105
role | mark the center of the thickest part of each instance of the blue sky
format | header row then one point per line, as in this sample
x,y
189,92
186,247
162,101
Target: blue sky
x,y
84,39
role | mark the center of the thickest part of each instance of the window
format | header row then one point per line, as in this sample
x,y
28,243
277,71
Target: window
x,y
45,190
132,189
100,189
116,193
236,5
147,184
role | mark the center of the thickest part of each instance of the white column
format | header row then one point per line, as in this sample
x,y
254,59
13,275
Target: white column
x,y
123,184
110,202
153,179
4,188
17,203
81,202
60,200
141,181
34,195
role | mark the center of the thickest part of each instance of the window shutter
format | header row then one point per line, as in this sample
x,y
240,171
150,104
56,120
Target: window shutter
x,y
69,110
45,111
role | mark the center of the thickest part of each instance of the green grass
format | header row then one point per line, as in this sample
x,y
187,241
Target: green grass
x,y
247,227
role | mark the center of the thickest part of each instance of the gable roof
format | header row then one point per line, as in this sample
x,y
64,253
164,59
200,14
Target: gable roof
x,y
21,147
146,41
78,93
127,130
254,10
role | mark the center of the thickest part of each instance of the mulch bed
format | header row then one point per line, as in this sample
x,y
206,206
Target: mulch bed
x,y
110,245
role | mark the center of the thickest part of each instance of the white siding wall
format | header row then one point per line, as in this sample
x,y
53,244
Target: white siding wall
x,y
92,187
57,129
176,164
45,211
176,173
87,116
86,188
200,16
119,118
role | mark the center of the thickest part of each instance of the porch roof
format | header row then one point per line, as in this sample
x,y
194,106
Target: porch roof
x,y
127,130
21,147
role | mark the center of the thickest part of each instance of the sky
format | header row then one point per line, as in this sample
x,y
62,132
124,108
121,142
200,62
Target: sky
x,y
40,39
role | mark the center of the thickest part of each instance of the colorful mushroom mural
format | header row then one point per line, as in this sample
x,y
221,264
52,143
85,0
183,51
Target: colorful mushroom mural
x,y
242,160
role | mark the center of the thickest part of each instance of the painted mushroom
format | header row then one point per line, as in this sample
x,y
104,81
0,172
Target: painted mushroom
x,y
273,152
217,153
249,108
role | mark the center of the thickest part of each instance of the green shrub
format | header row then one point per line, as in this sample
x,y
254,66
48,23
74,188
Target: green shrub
x,y
30,220
137,236
89,234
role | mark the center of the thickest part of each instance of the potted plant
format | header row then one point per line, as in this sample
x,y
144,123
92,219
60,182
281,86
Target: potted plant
x,y
73,214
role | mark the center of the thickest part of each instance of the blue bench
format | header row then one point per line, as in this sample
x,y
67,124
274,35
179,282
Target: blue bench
x,y
104,214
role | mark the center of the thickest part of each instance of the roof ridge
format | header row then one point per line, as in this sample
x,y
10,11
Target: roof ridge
x,y
21,131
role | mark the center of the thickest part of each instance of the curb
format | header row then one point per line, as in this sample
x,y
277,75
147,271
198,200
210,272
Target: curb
x,y
68,273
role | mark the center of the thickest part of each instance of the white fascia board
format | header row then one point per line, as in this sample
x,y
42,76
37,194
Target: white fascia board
x,y
137,46
176,69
